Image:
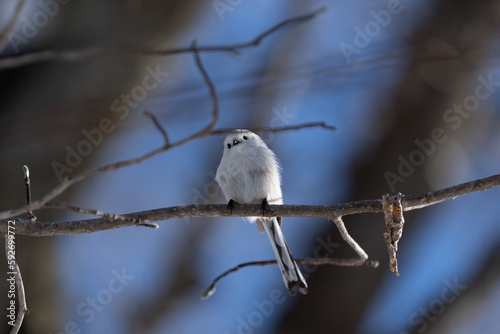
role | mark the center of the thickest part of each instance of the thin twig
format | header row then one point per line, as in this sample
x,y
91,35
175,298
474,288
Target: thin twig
x,y
421,201
296,19
311,261
347,237
159,127
82,54
28,190
339,262
413,202
211,289
107,216
211,88
281,129
12,23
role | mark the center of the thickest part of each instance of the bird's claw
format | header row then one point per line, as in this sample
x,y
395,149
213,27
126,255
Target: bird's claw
x,y
264,206
231,204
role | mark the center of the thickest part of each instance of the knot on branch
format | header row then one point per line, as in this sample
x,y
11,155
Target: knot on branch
x,y
394,222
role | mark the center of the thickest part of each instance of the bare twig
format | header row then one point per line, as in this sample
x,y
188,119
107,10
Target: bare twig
x,y
339,262
28,191
354,245
211,289
107,216
211,88
159,127
82,54
296,19
311,261
408,203
421,201
281,129
12,23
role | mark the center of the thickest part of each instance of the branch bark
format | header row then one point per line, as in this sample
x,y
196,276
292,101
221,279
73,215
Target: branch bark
x,y
330,212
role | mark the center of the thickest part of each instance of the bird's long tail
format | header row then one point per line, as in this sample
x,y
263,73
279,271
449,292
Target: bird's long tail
x,y
292,276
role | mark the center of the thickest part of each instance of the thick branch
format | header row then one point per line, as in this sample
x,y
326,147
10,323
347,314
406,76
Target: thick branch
x,y
27,227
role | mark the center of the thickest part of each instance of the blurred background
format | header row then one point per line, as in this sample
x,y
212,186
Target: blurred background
x,y
413,87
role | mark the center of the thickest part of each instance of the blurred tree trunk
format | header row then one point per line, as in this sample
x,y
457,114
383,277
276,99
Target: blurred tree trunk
x,y
445,56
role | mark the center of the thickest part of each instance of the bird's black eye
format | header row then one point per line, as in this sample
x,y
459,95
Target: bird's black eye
x,y
245,137
228,145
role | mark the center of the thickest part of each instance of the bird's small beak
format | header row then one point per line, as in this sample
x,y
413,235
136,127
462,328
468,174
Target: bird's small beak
x,y
235,142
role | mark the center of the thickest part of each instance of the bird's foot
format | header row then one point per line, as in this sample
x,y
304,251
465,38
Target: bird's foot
x,y
231,204
264,206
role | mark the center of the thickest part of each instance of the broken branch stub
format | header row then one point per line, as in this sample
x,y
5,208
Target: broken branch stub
x,y
394,222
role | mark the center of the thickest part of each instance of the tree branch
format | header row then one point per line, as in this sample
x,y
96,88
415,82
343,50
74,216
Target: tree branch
x,y
82,54
281,129
211,88
393,213
63,186
104,215
413,202
159,127
311,261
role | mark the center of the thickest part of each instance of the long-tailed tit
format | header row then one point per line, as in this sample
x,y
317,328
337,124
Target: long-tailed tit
x,y
249,174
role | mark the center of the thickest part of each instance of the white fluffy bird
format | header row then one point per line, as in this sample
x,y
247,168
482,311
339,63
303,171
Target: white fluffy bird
x,y
249,174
